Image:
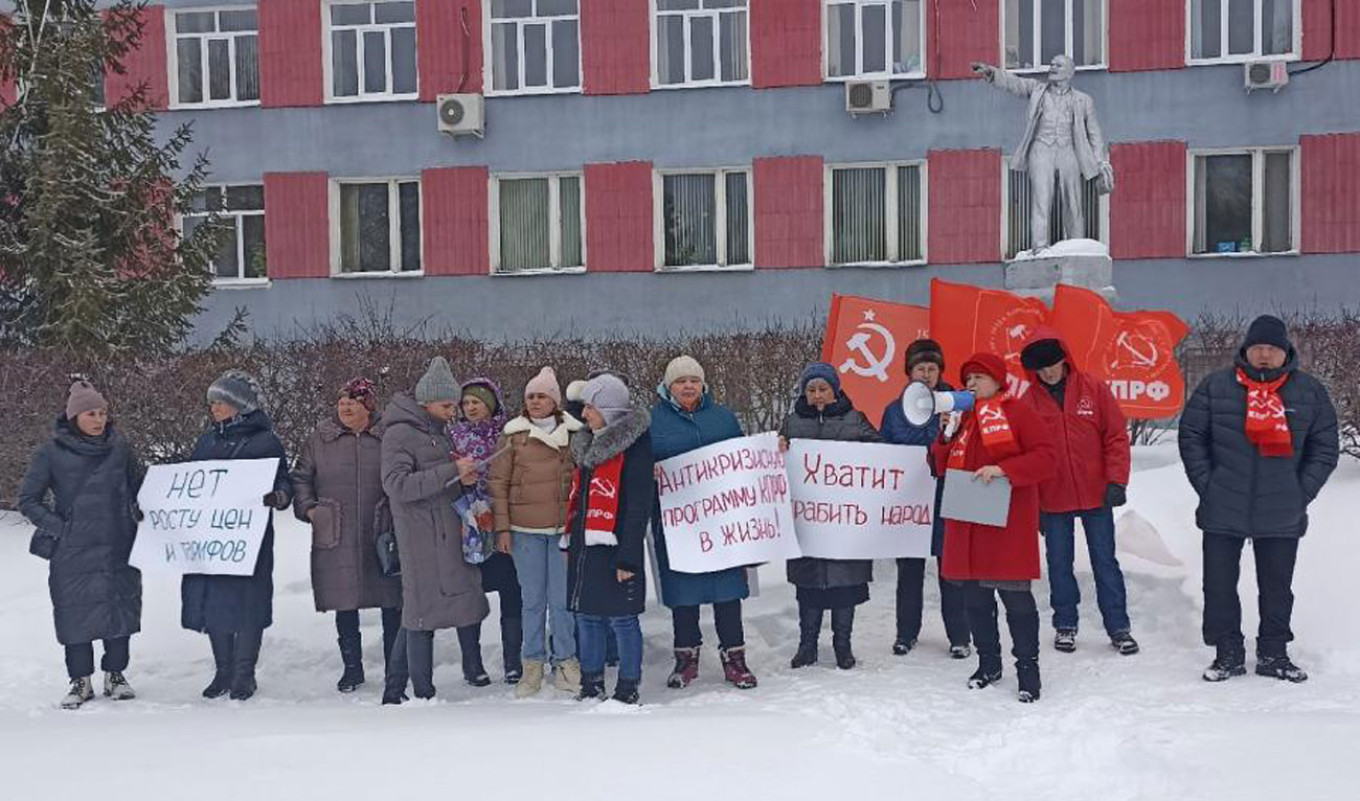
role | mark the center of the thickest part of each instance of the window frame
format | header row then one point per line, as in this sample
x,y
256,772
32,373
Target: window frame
x,y
336,226
1296,44
890,212
328,56
554,226
720,224
654,29
235,217
488,56
1102,212
1040,69
172,37
1258,166
887,75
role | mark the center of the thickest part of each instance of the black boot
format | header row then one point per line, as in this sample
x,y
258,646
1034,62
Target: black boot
x,y
592,687
842,625
512,638
470,643
352,656
809,629
626,692
420,663
1229,662
986,636
246,655
396,671
1027,671
222,645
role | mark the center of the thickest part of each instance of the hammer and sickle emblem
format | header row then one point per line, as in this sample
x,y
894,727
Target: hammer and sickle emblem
x,y
1134,350
603,488
875,363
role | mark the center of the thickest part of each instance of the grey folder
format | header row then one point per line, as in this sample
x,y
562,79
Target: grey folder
x,y
971,501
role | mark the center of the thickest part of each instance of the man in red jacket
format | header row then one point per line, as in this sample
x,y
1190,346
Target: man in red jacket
x,y
1092,441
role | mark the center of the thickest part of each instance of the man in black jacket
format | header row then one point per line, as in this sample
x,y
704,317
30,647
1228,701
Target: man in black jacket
x,y
1258,441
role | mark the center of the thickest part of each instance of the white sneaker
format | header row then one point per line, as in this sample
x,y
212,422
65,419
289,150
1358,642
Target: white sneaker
x,y
568,676
117,688
532,680
81,691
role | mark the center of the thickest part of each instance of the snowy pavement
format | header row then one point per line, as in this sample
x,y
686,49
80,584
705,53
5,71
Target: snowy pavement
x,y
1108,727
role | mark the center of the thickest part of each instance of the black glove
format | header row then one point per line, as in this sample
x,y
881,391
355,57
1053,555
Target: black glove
x,y
278,499
137,514
1115,495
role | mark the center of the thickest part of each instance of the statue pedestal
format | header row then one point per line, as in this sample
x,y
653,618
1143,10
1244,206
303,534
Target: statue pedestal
x,y
1078,262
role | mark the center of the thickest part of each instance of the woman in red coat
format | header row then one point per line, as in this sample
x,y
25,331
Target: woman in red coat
x,y
1000,438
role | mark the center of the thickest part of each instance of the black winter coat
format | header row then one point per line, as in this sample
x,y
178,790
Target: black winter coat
x,y
96,595
1242,493
226,604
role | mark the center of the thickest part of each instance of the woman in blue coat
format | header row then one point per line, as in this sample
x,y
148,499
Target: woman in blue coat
x,y
687,418
234,611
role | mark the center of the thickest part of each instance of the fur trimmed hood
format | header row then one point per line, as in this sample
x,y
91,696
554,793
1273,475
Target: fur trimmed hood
x,y
557,440
592,449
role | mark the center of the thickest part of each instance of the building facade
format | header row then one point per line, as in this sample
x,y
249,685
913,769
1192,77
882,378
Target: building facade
x,y
659,164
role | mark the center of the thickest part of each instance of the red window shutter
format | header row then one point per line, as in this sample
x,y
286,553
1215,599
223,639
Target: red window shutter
x,y
619,218
959,32
616,47
453,211
449,55
1146,35
789,212
1331,199
8,93
1317,29
291,70
965,206
786,43
145,65
297,224
1148,207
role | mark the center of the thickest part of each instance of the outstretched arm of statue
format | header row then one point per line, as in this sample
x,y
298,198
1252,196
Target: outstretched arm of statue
x,y
1020,87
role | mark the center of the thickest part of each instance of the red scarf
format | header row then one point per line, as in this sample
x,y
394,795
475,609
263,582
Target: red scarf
x,y
1267,426
601,502
989,421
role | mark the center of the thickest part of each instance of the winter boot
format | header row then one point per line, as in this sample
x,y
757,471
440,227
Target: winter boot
x,y
1065,641
686,668
512,639
809,629
568,678
987,674
626,692
245,655
1027,671
222,647
532,681
81,691
1124,643
352,656
842,625
592,687
1279,667
734,668
116,687
903,647
1231,661
470,643
960,651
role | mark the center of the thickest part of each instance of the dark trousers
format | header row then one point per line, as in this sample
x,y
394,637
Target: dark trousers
x,y
80,658
412,661
1060,547
1275,557
726,618
911,579
347,627
498,576
1022,618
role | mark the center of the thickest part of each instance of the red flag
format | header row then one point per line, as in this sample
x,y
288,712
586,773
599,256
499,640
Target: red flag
x,y
865,340
967,319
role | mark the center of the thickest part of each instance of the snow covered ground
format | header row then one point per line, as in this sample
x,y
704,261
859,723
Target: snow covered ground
x,y
1108,727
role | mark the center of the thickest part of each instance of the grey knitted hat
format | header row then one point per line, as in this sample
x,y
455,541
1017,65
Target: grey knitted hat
x,y
239,389
438,383
609,395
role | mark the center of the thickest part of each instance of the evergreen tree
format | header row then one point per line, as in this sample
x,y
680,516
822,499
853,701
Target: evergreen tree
x,y
91,258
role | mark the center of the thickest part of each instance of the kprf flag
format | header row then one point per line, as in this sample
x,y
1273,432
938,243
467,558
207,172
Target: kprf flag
x,y
967,319
865,340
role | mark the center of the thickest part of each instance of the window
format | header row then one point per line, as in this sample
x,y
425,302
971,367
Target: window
x,y
240,212
700,42
875,214
216,57
379,227
1094,210
372,50
1236,30
1244,202
537,223
704,219
874,38
535,46
1038,30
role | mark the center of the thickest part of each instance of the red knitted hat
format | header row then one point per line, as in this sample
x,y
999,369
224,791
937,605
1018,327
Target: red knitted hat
x,y
988,364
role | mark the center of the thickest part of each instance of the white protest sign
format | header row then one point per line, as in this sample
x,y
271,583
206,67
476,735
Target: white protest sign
x,y
725,505
856,500
203,517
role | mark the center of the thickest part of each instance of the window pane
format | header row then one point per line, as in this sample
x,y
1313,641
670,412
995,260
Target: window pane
x,y
365,230
525,224
1223,204
738,219
1088,32
408,194
247,68
535,55
858,221
724,3
1278,234
874,27
840,40
670,49
676,5
570,201
249,197
908,213
375,62
344,63
219,69
566,54
688,215
504,57
238,20
1241,27
1205,28
394,12
1277,27
512,8
189,55
352,14
1052,29
227,264
404,61
907,36
1019,19
196,22
701,49
732,39
556,8
208,199
252,229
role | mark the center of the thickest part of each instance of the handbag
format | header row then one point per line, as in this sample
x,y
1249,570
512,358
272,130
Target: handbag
x,y
389,560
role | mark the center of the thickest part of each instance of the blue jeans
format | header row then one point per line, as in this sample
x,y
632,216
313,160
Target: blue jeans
x,y
542,572
590,633
1059,541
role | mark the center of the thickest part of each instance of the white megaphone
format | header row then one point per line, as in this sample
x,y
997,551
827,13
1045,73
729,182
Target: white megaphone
x,y
919,403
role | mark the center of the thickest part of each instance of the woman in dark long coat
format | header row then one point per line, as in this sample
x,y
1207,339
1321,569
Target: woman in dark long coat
x,y
93,477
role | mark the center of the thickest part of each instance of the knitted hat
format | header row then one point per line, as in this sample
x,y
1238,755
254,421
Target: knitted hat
x,y
989,364
1042,353
609,396
545,383
437,384
682,367
484,394
818,370
925,350
83,398
1268,330
574,390
238,389
360,389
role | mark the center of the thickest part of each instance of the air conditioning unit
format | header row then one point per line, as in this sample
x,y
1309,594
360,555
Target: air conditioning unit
x,y
461,115
868,97
1272,75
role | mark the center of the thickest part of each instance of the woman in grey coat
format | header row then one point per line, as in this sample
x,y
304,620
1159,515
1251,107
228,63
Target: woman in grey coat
x,y
93,478
439,589
824,411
